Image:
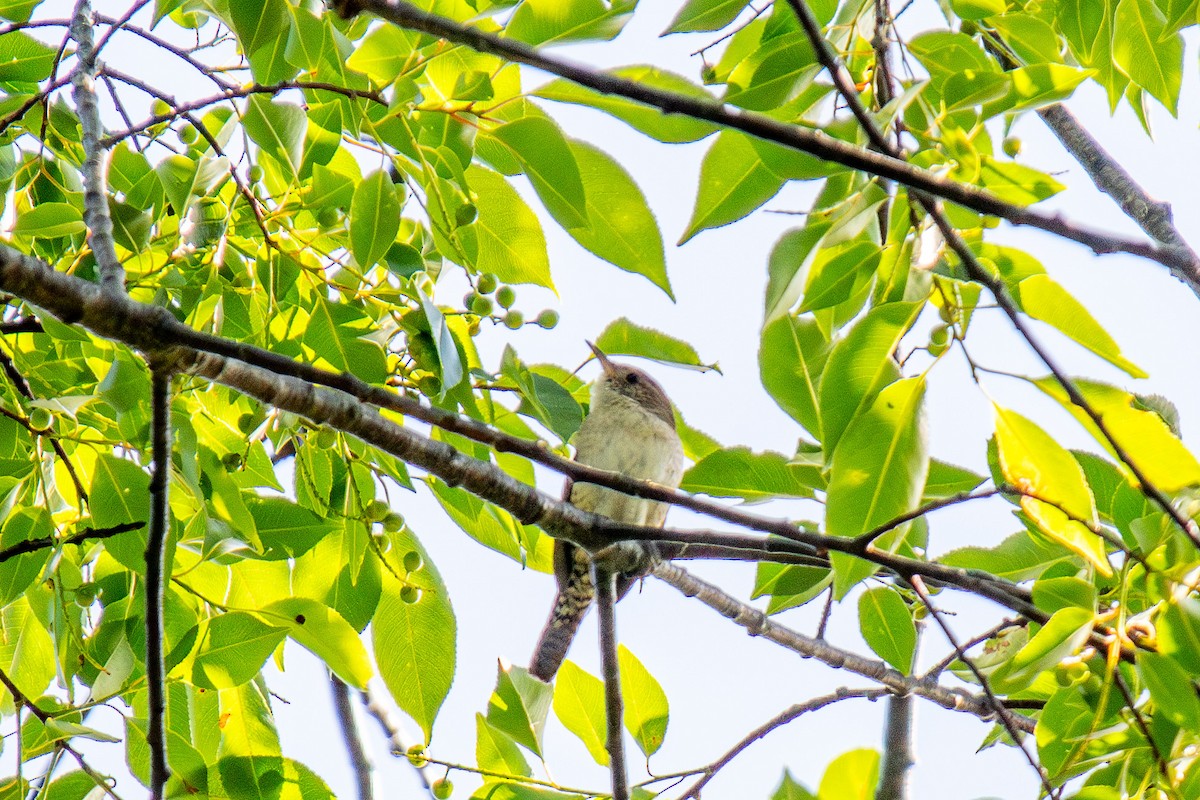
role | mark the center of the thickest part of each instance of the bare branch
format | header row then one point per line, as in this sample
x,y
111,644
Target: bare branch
x,y
898,757
759,624
95,167
156,571
360,765
1008,719
86,535
606,601
778,721
391,729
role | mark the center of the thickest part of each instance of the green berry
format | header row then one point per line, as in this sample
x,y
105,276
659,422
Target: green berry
x,y
160,108
487,283
410,594
40,419
482,305
969,28
377,511
412,561
466,214
257,173
473,328
188,134
1012,146
548,318
393,523
416,756
231,461
85,595
442,788
327,217
505,296
430,385
326,439
514,319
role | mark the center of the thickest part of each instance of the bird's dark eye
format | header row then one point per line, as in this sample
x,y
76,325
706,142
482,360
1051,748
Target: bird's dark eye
x,y
631,378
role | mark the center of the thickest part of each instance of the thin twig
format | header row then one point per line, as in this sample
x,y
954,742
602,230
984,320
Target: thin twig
x,y
156,572
606,600
391,729
1008,719
360,765
778,721
759,624
85,535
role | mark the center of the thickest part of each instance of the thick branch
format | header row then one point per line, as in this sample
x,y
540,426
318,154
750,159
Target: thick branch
x,y
86,535
95,167
156,575
759,624
814,142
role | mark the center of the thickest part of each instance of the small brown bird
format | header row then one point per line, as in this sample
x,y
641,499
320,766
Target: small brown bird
x,y
630,429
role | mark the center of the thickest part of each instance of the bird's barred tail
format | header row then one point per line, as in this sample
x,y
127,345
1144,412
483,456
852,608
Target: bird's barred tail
x,y
570,606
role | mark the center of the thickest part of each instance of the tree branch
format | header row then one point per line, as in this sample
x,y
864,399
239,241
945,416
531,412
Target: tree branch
x,y
391,729
95,167
157,570
606,601
898,757
1009,720
360,765
86,535
813,142
759,624
778,721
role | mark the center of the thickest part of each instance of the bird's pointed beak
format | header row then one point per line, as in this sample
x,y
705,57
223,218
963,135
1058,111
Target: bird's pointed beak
x,y
603,359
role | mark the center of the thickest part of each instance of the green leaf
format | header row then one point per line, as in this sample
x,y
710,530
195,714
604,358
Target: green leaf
x,y
545,22
231,648
287,528
1043,298
789,789
120,493
947,480
1063,634
548,161
495,750
791,356
705,15
1146,50
859,365
624,338
1179,632
646,711
519,706
26,650
620,227
23,58
383,53
447,350
278,129
877,474
335,332
789,585
850,776
739,472
1057,497
1172,689
325,633
977,9
887,626
838,273
1019,557
49,221
19,572
668,128
773,74
1143,435
492,527
374,218
579,706
506,238
739,174
415,641
1016,183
